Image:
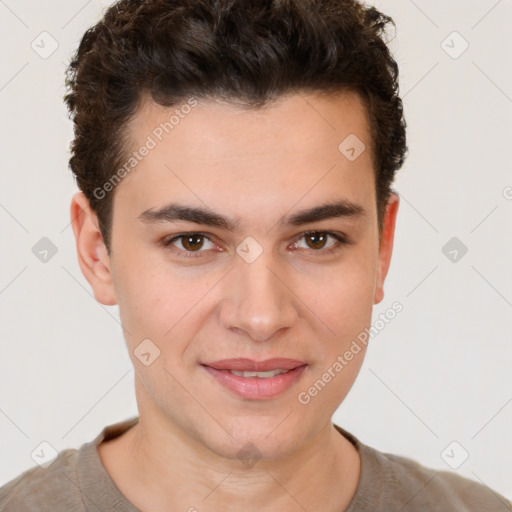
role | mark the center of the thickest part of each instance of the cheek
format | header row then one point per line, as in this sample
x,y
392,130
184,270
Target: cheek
x,y
345,306
343,297
158,303
143,294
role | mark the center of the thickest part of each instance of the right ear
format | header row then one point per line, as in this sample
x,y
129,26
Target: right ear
x,y
92,253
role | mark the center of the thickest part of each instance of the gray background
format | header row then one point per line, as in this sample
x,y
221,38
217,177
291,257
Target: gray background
x,y
438,373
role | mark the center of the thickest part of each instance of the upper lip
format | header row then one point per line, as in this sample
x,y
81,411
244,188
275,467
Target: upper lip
x,y
249,365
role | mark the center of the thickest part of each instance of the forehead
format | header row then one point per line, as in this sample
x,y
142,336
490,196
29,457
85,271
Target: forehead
x,y
211,152
320,120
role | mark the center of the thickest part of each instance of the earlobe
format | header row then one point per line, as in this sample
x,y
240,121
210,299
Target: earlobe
x,y
92,254
386,245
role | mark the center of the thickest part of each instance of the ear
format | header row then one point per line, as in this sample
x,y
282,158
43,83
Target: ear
x,y
386,245
92,253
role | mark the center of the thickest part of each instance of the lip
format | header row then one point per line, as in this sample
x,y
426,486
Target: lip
x,y
240,364
254,388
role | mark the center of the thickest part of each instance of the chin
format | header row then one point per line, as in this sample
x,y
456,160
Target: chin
x,y
252,441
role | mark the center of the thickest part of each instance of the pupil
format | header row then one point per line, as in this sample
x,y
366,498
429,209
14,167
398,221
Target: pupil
x,y
317,236
189,242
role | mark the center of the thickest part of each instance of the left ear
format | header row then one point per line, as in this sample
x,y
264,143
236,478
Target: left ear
x,y
386,245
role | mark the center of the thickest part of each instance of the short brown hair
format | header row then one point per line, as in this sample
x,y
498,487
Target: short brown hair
x,y
244,51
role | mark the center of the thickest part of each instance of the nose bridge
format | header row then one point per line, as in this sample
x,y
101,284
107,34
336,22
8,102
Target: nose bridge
x,y
259,303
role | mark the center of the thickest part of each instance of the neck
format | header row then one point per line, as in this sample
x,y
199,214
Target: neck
x,y
158,467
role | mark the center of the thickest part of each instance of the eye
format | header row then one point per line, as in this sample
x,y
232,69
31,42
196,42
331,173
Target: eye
x,y
190,243
317,240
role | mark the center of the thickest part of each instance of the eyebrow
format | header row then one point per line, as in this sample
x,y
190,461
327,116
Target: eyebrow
x,y
179,212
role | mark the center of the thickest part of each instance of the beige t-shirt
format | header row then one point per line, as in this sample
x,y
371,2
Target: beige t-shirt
x,y
77,481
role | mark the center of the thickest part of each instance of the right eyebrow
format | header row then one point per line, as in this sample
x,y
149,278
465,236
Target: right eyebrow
x,y
178,212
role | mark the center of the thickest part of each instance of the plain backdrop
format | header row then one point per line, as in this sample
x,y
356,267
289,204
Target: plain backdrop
x,y
436,383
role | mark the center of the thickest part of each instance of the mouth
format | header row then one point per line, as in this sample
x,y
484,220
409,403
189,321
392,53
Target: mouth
x,y
256,380
249,365
259,375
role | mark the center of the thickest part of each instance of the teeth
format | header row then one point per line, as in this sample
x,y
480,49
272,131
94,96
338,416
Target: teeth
x,y
261,375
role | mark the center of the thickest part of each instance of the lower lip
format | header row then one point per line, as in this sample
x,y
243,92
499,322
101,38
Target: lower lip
x,y
253,387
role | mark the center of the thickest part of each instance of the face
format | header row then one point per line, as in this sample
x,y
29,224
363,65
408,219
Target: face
x,y
221,249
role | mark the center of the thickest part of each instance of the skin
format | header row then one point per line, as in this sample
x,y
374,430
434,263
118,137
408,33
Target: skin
x,y
293,301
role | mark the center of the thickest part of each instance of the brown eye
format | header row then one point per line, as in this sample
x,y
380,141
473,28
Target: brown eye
x,y
316,240
192,242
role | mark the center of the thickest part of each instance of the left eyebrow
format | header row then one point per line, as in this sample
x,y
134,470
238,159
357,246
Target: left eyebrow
x,y
179,212
342,208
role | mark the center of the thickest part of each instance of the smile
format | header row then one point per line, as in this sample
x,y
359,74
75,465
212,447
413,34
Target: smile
x,y
256,385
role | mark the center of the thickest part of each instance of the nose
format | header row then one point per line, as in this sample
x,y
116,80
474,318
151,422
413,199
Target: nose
x,y
259,300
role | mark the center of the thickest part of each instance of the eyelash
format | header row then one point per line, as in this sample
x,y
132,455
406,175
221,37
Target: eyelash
x,y
167,242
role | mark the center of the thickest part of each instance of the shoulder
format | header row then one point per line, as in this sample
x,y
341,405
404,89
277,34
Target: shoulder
x,y
55,488
393,482
416,488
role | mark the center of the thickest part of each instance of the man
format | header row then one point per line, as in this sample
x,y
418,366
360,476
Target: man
x,y
234,161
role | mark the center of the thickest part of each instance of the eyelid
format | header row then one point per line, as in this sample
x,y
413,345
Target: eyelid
x,y
334,234
167,242
341,239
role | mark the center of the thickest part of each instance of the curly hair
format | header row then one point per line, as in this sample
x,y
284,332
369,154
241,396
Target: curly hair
x,y
241,51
